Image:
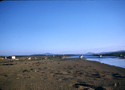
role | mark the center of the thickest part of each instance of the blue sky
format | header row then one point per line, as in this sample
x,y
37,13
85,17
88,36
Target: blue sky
x,y
34,27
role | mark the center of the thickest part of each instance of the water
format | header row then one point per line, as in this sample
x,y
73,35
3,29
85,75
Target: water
x,y
111,60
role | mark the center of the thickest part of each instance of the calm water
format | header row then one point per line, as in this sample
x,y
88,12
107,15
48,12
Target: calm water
x,y
111,60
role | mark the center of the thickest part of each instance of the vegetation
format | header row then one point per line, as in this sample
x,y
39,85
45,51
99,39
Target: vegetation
x,y
5,61
43,57
112,54
25,70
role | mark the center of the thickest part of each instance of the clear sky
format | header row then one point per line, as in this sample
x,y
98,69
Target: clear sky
x,y
60,27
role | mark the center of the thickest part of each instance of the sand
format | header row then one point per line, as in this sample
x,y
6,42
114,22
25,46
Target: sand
x,y
60,74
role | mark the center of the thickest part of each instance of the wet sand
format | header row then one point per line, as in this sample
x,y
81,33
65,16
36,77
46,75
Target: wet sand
x,y
61,74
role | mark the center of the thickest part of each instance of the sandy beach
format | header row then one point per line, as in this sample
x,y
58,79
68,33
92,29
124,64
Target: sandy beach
x,y
60,74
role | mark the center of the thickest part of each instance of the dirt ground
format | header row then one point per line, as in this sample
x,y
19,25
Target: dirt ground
x,y
61,74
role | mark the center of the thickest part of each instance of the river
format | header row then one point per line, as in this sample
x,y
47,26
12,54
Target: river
x,y
111,60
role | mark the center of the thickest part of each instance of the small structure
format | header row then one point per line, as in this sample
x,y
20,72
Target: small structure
x,y
44,58
81,56
35,58
5,57
29,58
13,57
120,55
100,56
63,57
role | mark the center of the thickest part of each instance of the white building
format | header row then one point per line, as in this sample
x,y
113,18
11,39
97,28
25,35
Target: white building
x,y
81,56
13,57
100,56
29,58
5,57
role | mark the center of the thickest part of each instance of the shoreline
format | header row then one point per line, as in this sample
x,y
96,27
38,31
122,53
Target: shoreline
x,y
106,64
104,60
61,74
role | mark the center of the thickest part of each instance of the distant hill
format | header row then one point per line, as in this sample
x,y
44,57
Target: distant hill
x,y
113,53
89,53
45,54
